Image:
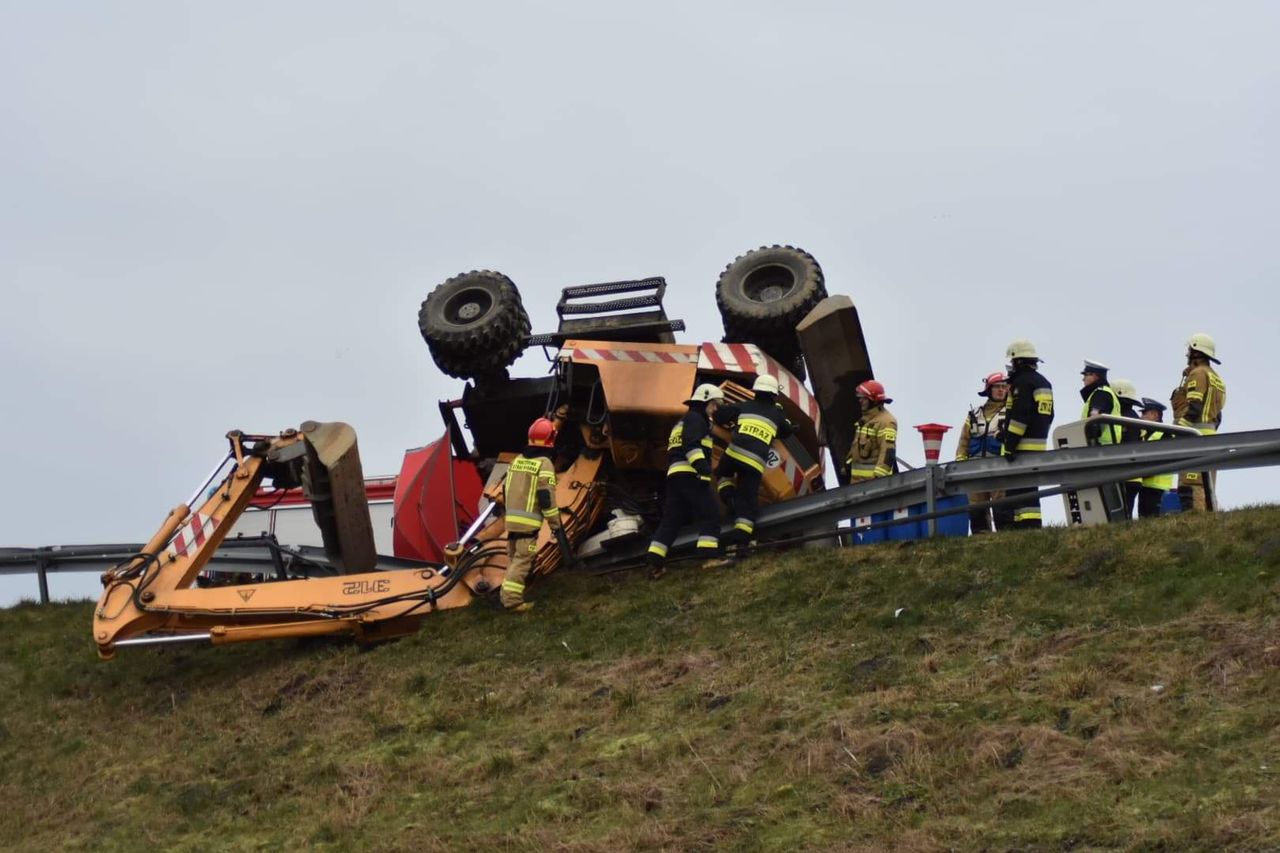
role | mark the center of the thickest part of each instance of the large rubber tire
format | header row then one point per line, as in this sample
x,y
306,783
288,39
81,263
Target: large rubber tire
x,y
768,291
474,324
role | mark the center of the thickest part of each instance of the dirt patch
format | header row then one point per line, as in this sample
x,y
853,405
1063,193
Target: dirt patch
x,y
1239,651
1094,564
305,687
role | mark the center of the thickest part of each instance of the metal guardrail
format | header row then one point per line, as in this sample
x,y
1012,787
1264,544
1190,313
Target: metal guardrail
x,y
234,556
1066,468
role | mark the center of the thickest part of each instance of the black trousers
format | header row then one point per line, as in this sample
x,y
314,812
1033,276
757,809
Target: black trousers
x,y
687,499
1131,490
740,484
1026,513
1149,501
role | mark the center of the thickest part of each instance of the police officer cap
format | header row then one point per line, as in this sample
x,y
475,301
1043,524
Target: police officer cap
x,y
1150,405
1094,367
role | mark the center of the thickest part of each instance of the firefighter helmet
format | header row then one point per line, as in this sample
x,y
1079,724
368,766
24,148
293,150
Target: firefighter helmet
x,y
873,391
1021,348
705,393
992,379
765,384
1203,344
542,433
1125,390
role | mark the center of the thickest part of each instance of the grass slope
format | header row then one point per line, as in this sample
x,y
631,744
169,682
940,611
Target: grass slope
x,y
1104,688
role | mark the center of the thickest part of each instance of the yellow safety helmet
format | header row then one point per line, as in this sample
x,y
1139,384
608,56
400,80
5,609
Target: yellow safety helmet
x,y
1202,343
1021,348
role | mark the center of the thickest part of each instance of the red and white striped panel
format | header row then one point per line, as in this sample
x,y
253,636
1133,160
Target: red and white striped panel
x,y
192,534
582,353
747,358
796,475
793,471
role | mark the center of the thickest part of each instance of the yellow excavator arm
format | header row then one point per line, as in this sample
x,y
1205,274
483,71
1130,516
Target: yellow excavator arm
x,y
153,597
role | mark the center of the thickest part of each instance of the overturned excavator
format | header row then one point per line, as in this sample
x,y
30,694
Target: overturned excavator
x,y
616,386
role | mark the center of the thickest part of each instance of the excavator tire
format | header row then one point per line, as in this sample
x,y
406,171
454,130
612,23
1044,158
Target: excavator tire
x,y
474,324
766,292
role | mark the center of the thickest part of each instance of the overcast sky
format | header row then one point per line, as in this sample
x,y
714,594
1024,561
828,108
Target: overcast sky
x,y
226,215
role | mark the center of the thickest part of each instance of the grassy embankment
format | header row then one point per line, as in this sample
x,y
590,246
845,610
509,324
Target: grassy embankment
x,y
1095,688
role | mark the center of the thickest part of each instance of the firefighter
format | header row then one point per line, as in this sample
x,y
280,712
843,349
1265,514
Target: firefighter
x,y
1198,402
689,496
875,436
741,468
528,495
1030,414
1154,488
980,437
1130,403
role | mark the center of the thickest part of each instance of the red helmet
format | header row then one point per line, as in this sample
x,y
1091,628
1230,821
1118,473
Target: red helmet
x,y
873,391
992,379
542,433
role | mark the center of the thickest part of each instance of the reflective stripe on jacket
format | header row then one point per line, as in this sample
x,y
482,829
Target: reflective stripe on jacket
x,y
1030,408
980,434
1199,400
1104,401
1163,482
874,447
760,421
526,476
689,446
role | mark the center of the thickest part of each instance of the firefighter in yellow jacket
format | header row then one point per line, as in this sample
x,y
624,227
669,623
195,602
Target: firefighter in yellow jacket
x,y
981,436
529,497
1198,402
875,436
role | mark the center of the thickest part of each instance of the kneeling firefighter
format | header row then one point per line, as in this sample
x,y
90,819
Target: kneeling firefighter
x,y
741,468
689,496
529,497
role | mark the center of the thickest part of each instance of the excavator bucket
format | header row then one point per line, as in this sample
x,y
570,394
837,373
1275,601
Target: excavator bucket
x,y
333,481
836,355
437,497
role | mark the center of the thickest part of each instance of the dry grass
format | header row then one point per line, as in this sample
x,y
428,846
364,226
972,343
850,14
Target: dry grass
x,y
1090,689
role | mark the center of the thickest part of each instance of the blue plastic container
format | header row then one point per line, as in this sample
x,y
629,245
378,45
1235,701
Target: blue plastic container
x,y
909,528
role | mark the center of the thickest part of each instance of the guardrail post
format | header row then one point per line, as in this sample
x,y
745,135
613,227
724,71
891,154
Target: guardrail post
x,y
42,574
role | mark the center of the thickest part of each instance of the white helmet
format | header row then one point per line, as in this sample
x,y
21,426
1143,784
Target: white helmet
x,y
765,383
1200,342
1125,390
705,393
1021,348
